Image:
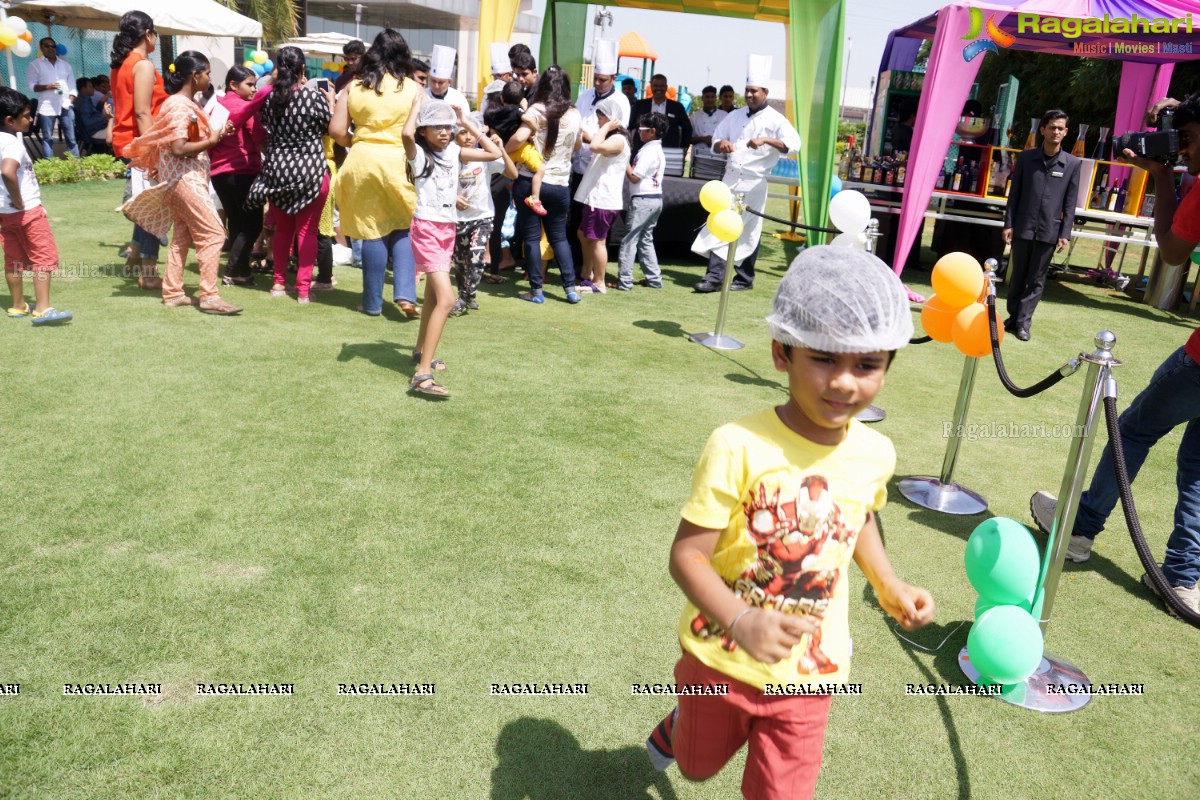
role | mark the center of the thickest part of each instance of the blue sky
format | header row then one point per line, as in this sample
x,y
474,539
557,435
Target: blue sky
x,y
676,36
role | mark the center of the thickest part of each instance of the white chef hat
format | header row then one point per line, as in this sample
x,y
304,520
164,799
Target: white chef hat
x,y
441,63
758,70
605,60
500,64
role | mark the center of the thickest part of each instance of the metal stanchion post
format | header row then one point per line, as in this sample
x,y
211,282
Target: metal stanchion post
x,y
1070,692
941,493
717,339
872,413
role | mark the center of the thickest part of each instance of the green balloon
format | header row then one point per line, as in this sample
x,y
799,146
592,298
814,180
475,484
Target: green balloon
x,y
1002,561
983,604
1005,644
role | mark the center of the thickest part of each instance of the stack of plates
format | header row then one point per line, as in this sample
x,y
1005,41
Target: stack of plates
x,y
674,158
708,167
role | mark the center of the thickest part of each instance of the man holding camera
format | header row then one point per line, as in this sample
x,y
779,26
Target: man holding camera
x,y
1173,396
1038,218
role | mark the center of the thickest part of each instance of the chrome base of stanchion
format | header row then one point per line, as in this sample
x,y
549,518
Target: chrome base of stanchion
x,y
1071,688
871,414
949,498
717,341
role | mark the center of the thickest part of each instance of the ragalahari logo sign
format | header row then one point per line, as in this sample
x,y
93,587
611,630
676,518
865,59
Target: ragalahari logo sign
x,y
979,46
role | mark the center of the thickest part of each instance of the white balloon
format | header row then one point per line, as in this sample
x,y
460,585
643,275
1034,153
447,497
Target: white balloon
x,y
856,240
21,48
16,25
850,211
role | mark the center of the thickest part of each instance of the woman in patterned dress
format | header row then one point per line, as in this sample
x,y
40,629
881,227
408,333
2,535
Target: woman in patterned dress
x,y
294,177
173,152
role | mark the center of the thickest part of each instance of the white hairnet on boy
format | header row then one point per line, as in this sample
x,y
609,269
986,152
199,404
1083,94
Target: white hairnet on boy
x,y
841,300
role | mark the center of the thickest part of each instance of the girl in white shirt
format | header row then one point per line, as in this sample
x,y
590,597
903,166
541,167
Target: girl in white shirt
x,y
600,192
433,160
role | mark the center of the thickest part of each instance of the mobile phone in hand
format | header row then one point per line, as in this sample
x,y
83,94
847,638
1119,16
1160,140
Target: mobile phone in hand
x,y
323,84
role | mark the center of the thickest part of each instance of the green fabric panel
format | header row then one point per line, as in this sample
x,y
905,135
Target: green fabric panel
x,y
571,24
816,34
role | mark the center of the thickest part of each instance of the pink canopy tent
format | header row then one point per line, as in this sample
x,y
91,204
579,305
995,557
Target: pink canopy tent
x,y
949,77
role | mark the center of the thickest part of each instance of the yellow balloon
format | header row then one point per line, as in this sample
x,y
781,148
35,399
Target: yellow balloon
x,y
7,37
247,63
726,225
260,56
715,196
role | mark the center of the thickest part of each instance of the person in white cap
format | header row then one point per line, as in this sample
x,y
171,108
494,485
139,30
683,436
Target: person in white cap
x,y
754,138
502,73
441,71
604,87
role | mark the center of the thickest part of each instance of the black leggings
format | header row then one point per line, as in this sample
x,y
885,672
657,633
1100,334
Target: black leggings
x,y
244,223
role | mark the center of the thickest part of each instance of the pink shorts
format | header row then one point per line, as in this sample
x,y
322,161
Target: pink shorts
x,y
596,222
432,244
785,734
28,243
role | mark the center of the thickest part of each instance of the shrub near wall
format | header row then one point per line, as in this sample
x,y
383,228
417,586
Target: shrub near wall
x,y
74,170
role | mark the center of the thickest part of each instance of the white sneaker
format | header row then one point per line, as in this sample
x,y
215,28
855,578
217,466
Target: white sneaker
x,y
1079,549
1190,597
1042,506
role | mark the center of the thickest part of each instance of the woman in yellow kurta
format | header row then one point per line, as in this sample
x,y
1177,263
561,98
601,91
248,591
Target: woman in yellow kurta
x,y
374,194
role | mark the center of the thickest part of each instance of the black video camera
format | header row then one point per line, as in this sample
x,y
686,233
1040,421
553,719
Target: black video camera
x,y
1161,145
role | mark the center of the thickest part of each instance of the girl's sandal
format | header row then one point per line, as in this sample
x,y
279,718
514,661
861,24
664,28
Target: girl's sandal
x,y
427,386
536,205
437,365
494,278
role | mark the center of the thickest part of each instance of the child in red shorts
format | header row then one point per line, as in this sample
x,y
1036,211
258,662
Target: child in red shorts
x,y
781,501
24,229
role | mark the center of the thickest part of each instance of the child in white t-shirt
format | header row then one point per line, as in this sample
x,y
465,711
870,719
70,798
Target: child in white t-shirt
x,y
645,205
476,214
24,228
600,192
434,161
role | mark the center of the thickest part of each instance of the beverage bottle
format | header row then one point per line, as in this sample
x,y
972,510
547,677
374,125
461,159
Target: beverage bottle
x,y
1122,196
901,168
1097,193
1110,202
858,166
193,132
844,165
889,175
1007,184
956,184
868,175
974,167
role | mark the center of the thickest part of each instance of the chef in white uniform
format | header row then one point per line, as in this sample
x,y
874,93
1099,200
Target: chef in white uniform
x,y
754,138
704,122
441,72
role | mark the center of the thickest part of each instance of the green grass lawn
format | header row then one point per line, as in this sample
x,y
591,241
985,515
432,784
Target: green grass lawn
x,y
194,499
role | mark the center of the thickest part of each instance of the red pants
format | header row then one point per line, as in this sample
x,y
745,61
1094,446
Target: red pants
x,y
785,734
302,227
28,243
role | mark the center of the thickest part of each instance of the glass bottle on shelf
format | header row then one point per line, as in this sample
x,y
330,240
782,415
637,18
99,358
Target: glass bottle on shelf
x,y
844,165
1122,196
1110,203
956,183
901,168
1097,193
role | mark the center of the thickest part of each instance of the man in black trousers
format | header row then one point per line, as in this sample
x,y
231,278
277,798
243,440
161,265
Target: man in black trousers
x,y
679,127
1039,217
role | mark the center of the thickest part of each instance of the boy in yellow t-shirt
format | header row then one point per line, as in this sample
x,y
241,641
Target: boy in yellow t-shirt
x,y
781,501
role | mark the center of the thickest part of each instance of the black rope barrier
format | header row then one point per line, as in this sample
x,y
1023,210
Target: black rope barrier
x,y
1037,388
792,224
1131,519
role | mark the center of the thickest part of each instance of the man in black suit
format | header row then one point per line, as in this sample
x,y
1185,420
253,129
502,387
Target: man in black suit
x,y
679,127
1039,217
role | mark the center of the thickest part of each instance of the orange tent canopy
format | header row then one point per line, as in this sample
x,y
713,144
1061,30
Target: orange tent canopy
x,y
634,46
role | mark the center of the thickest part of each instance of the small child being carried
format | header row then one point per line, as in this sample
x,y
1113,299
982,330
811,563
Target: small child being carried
x,y
505,120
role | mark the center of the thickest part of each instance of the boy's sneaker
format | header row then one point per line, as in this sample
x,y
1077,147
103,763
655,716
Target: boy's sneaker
x,y
1190,597
458,309
658,744
472,304
1042,506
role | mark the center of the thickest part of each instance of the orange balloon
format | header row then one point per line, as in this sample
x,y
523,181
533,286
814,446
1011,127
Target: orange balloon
x,y
27,36
970,331
957,279
936,319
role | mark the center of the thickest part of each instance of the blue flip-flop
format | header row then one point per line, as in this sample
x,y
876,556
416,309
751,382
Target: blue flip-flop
x,y
51,316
